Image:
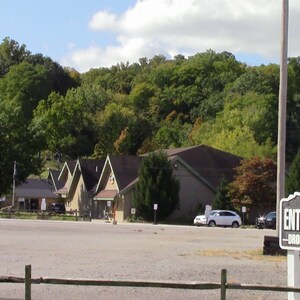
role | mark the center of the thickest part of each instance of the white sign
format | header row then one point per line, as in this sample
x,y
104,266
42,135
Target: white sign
x,y
244,209
43,204
207,211
155,207
289,238
289,222
208,207
109,203
133,211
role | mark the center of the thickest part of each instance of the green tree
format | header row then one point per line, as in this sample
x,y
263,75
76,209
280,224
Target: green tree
x,y
133,136
20,91
109,125
172,134
293,178
244,118
11,53
156,185
58,78
63,123
222,199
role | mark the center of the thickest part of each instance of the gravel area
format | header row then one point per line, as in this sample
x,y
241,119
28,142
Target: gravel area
x,y
98,250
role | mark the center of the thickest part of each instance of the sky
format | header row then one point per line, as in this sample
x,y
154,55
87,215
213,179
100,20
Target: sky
x,y
84,34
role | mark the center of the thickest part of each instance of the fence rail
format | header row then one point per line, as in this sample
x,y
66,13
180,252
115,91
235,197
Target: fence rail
x,y
223,285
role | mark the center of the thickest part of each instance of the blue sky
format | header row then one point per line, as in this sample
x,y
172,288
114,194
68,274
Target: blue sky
x,y
101,33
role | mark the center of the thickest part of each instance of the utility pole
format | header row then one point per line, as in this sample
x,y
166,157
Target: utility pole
x,y
282,109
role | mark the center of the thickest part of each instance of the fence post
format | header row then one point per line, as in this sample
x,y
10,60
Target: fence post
x,y
223,284
28,282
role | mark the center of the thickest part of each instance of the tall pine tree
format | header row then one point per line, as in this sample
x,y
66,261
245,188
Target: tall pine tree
x,y
156,185
222,199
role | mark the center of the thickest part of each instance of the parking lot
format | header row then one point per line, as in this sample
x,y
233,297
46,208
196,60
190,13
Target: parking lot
x,y
98,250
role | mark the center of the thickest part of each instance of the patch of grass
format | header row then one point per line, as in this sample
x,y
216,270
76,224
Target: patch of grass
x,y
255,254
40,216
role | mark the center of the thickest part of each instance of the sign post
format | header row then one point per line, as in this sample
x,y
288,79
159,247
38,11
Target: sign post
x,y
289,238
244,209
207,212
155,207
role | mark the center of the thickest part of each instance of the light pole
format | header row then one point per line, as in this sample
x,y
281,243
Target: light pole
x,y
282,109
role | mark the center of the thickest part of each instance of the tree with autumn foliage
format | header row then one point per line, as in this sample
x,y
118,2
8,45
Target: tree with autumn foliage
x,y
254,184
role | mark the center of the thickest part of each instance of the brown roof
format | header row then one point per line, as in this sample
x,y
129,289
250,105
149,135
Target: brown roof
x,y
54,175
125,169
91,170
63,190
210,163
71,165
106,194
35,188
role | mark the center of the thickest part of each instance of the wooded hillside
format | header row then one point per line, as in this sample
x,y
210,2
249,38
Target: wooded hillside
x,y
209,98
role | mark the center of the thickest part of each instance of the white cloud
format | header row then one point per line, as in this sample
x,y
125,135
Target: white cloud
x,y
103,20
170,27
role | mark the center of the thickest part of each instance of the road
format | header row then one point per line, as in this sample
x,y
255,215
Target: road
x,y
98,250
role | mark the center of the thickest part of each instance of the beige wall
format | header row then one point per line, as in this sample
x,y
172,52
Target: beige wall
x,y
119,202
110,183
193,194
79,199
128,203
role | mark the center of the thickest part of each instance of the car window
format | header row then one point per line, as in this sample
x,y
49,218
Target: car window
x,y
228,213
271,214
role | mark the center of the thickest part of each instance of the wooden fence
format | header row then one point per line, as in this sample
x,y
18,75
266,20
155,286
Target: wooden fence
x,y
223,285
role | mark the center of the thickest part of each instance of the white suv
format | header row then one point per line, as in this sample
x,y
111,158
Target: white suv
x,y
224,218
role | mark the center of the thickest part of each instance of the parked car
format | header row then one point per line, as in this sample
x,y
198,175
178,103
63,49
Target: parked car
x,y
267,221
201,219
58,208
219,218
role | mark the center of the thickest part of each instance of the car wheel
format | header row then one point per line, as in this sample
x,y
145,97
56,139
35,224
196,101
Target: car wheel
x,y
212,224
235,224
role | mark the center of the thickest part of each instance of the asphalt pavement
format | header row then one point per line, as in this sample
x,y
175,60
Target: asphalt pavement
x,y
133,251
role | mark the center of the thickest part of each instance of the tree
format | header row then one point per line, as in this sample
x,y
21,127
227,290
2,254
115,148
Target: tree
x,y
25,80
172,134
156,185
109,124
11,53
222,199
293,179
244,118
254,183
20,90
58,79
62,122
133,136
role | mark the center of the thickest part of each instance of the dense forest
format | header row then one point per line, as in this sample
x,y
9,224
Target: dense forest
x,y
208,98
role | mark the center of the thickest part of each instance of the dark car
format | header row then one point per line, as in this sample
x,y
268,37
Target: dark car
x,y
267,221
58,208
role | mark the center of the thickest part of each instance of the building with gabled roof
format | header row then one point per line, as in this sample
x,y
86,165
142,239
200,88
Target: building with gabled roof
x,y
118,172
65,178
31,193
80,189
199,169
53,176
98,187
